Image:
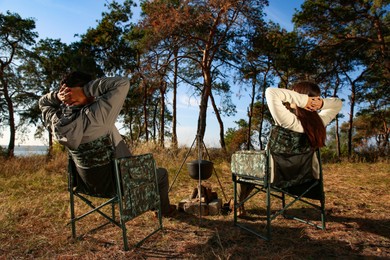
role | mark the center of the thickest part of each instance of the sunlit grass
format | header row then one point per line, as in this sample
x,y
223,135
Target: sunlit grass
x,y
34,212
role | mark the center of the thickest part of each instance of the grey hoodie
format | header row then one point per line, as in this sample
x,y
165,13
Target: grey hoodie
x,y
72,127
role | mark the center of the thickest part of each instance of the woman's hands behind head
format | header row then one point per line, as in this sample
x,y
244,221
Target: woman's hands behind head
x,y
314,104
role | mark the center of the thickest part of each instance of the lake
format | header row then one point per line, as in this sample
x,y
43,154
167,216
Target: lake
x,y
26,150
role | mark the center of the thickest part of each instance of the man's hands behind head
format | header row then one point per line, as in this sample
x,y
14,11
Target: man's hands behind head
x,y
73,96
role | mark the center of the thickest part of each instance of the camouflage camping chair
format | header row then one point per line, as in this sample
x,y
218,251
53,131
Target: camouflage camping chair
x,y
288,170
130,182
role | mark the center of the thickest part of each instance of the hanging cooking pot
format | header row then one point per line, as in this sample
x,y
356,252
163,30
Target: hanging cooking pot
x,y
206,169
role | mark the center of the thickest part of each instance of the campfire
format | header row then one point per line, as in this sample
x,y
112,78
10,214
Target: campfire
x,y
203,200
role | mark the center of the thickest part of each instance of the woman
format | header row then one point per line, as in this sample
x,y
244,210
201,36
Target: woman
x,y
310,115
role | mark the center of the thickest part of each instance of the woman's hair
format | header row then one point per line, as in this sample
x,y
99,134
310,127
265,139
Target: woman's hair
x,y
311,122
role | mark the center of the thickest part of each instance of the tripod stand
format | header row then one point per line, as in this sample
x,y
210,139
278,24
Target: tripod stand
x,y
199,143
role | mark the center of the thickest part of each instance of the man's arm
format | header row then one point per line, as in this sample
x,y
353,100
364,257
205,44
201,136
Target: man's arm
x,y
110,95
102,88
50,106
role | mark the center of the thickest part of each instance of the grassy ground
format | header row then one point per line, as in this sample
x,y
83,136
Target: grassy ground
x,y
34,212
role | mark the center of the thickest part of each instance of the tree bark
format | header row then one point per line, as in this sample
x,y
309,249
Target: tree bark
x,y
262,110
145,110
174,108
220,122
163,87
205,93
250,113
11,119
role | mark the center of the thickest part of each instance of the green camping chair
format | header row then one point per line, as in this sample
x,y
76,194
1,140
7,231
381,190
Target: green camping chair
x,y
283,171
130,182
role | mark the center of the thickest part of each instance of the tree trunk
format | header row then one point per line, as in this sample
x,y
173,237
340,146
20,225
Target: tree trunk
x,y
11,144
220,122
50,151
203,112
11,120
203,102
351,112
145,108
337,136
262,110
154,123
163,88
174,112
250,113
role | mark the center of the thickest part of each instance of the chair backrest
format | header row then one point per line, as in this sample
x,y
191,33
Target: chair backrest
x,y
139,185
93,168
292,157
93,154
289,159
249,164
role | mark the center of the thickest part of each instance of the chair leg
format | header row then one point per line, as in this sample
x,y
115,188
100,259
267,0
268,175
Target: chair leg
x,y
268,206
284,204
121,217
124,234
234,199
122,223
72,215
113,210
323,217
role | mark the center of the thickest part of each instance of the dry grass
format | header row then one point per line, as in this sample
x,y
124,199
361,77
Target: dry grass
x,y
34,213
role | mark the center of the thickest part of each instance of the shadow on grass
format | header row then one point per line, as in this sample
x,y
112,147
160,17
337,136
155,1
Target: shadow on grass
x,y
187,236
216,237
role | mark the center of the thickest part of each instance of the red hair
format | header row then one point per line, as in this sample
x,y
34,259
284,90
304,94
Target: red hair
x,y
311,122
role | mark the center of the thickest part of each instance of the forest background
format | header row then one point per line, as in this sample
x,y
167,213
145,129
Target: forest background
x,y
209,47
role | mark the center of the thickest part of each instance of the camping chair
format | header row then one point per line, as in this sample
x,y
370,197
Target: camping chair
x,y
130,182
283,171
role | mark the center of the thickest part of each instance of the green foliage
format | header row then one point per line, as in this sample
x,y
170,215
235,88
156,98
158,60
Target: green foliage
x,y
235,139
16,35
110,42
340,44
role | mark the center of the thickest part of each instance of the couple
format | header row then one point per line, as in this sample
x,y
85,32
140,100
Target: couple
x,y
84,110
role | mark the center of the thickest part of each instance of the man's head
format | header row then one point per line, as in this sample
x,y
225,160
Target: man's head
x,y
76,79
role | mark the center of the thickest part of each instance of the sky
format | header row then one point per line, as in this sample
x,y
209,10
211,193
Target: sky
x,y
63,19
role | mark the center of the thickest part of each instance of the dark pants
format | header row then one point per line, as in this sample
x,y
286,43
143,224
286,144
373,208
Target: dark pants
x,y
163,186
243,190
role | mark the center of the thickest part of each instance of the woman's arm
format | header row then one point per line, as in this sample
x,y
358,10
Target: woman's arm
x,y
281,115
328,107
329,110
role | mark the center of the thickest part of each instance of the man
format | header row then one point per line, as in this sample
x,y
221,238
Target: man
x,y
84,110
